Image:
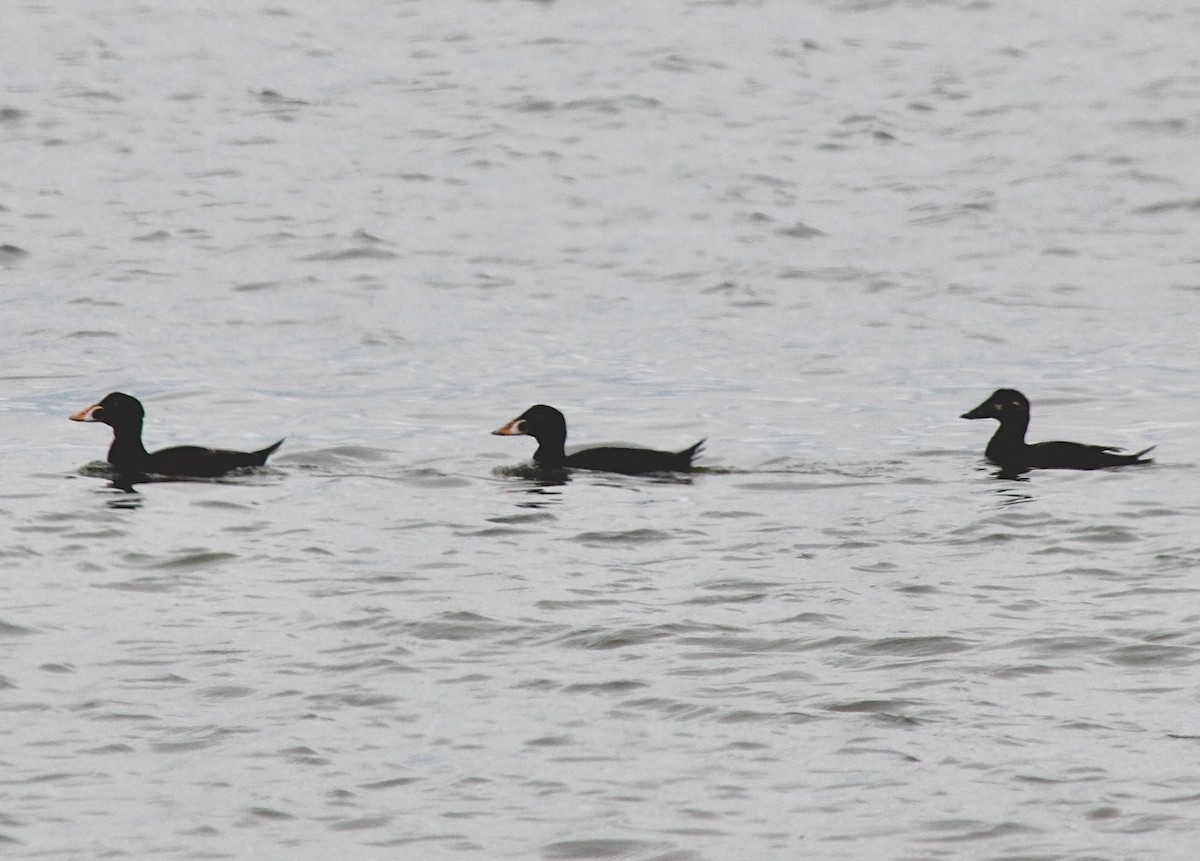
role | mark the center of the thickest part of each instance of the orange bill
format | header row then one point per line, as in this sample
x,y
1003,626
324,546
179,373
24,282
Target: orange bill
x,y
513,428
86,415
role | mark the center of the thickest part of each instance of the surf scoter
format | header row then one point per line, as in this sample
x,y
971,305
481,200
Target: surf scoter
x,y
549,428
1008,448
124,414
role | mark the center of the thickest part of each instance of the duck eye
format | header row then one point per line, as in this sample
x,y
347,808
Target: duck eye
x,y
1016,403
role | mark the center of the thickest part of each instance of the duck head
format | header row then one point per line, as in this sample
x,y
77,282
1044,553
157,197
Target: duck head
x,y
115,410
540,422
1003,405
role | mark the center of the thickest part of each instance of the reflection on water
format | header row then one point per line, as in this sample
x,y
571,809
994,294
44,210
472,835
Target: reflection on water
x,y
1010,496
535,475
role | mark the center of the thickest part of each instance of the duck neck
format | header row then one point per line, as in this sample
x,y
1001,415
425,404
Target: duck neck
x,y
127,449
1009,437
550,452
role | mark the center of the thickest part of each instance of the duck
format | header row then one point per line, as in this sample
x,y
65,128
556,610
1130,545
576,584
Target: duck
x,y
1008,449
549,427
127,456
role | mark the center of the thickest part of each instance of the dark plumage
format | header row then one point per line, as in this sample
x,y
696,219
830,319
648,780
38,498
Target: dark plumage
x,y
1008,448
549,428
124,414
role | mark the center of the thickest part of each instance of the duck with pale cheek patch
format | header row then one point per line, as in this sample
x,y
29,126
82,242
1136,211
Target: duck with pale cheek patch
x,y
125,415
548,426
1007,447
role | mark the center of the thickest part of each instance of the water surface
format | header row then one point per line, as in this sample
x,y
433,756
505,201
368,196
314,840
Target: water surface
x,y
814,233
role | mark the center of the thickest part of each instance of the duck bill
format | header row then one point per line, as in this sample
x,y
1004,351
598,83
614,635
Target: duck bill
x,y
86,415
514,428
983,411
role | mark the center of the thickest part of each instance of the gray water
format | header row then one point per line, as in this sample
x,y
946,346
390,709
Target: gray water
x,y
814,233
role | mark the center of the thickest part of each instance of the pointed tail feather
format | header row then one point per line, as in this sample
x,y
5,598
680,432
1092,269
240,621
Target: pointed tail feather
x,y
260,456
690,452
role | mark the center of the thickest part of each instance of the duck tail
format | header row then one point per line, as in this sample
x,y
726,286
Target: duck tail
x,y
690,452
1138,456
260,456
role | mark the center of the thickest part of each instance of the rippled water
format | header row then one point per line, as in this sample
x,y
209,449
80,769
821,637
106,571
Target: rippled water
x,y
815,233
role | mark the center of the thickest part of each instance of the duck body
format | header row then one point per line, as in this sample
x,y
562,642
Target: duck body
x,y
548,426
1007,447
128,456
